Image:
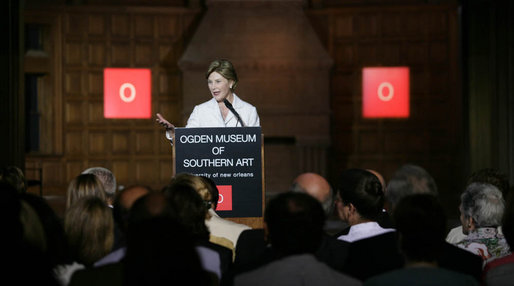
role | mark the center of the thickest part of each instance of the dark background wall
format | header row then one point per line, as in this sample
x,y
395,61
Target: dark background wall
x,y
460,54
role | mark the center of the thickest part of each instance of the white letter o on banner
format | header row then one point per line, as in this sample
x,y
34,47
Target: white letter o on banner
x,y
220,199
380,91
132,92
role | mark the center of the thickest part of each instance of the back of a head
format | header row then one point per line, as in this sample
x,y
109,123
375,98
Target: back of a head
x,y
362,189
160,251
84,185
25,264
151,205
483,203
124,201
189,207
295,223
316,186
15,177
407,180
421,222
196,182
56,244
89,226
106,177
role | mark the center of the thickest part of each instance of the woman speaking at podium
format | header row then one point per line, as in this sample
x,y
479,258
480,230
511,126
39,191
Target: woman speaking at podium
x,y
224,109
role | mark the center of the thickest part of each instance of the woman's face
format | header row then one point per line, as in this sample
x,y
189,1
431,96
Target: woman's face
x,y
219,87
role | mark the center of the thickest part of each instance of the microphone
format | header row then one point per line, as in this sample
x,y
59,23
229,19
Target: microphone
x,y
229,106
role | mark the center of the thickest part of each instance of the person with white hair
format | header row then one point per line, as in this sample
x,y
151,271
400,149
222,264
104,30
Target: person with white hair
x,y
481,208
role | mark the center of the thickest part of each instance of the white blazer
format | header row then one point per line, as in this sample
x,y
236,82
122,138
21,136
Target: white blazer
x,y
208,114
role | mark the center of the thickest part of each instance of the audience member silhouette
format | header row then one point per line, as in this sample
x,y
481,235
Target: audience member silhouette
x,y
421,224
294,225
25,263
159,251
481,208
488,176
222,231
332,251
255,251
122,203
56,245
191,210
412,179
407,180
89,225
359,202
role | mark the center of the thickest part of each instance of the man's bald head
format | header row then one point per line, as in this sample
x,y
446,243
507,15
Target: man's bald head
x,y
129,195
316,186
124,201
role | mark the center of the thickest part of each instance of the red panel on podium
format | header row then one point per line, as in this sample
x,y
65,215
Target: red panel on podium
x,y
385,92
127,93
225,199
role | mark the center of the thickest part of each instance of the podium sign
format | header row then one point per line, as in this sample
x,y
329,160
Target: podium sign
x,y
231,157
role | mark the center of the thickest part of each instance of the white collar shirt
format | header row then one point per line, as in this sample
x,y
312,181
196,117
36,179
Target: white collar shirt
x,y
364,230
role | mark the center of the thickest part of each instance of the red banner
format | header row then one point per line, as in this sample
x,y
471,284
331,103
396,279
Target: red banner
x,y
385,92
127,93
225,199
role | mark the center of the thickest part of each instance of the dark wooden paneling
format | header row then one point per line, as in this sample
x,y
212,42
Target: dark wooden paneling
x,y
422,37
96,37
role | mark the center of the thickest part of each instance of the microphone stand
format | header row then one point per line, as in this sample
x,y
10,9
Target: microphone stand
x,y
231,108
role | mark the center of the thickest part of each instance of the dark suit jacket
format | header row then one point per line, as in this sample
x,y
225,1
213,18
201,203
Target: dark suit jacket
x,y
457,259
372,256
108,275
252,251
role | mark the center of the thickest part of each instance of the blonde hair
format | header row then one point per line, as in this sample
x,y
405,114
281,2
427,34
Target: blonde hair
x,y
224,68
196,183
84,185
89,227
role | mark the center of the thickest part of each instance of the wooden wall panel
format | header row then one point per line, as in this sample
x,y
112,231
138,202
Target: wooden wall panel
x,y
145,144
422,37
95,109
73,53
74,143
120,26
96,54
120,53
98,37
120,142
72,82
96,25
124,172
145,172
73,112
144,26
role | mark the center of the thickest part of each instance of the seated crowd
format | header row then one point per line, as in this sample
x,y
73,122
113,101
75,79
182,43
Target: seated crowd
x,y
363,230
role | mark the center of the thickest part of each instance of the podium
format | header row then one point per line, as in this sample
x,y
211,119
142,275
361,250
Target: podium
x,y
233,158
